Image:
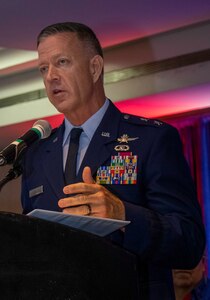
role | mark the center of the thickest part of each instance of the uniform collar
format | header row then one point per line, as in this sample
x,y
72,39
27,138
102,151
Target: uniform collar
x,y
90,126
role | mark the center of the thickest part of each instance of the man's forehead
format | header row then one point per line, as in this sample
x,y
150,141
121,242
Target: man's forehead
x,y
55,46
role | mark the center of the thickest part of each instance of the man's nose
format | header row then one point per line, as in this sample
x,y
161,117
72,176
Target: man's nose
x,y
52,74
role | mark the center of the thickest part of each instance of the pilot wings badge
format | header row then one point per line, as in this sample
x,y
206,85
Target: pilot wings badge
x,y
125,139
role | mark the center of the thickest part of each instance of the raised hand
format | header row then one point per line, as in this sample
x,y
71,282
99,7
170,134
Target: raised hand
x,y
89,198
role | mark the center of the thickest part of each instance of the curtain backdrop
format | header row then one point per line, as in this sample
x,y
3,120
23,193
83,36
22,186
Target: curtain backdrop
x,y
195,135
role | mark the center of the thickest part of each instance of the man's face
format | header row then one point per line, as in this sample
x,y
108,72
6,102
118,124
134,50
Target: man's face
x,y
188,278
65,65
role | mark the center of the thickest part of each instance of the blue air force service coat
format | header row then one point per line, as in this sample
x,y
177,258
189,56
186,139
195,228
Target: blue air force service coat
x,y
140,161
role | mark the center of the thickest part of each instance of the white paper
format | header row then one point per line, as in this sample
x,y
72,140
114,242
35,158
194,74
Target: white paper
x,y
97,226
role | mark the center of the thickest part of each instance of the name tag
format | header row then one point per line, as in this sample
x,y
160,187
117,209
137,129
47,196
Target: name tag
x,y
36,191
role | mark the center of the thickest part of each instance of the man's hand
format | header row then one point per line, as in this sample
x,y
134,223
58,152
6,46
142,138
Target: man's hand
x,y
89,198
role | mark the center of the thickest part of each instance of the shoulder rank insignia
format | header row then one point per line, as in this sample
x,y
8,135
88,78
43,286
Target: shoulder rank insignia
x,y
125,139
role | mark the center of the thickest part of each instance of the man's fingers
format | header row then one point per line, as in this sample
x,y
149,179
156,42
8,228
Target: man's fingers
x,y
87,176
82,210
80,188
88,186
76,200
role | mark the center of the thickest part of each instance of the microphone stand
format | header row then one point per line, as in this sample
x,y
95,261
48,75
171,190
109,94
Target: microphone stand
x,y
14,172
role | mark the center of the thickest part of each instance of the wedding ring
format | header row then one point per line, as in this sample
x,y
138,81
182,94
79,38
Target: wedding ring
x,y
89,209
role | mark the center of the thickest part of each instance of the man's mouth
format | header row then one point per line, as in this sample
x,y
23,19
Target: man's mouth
x,y
57,91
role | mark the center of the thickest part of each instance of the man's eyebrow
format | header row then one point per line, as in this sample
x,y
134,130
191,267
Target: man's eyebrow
x,y
53,57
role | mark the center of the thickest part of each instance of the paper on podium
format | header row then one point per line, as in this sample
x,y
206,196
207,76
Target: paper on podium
x,y
95,225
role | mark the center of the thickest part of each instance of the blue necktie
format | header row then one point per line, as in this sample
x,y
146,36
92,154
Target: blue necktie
x,y
71,162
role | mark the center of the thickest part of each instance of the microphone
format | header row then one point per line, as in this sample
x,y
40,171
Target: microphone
x,y
40,130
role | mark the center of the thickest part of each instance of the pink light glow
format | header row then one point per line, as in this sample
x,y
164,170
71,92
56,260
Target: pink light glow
x,y
168,103
162,104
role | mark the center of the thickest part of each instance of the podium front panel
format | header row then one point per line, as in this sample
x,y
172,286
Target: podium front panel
x,y
45,260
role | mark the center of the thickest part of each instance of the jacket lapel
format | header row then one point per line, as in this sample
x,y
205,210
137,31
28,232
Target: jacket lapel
x,y
103,141
99,150
53,162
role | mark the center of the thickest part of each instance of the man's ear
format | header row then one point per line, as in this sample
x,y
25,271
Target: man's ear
x,y
96,67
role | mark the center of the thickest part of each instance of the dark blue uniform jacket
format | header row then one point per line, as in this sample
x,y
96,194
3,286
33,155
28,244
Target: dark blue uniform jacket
x,y
166,228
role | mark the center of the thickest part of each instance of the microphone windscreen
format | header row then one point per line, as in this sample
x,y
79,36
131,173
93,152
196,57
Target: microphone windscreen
x,y
43,127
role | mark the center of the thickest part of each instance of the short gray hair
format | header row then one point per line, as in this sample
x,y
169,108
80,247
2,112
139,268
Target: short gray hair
x,y
84,33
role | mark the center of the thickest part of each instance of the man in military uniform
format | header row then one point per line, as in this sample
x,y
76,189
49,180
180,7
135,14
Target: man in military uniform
x,y
147,180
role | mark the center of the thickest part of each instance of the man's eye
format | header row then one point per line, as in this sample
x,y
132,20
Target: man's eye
x,y
62,61
43,70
